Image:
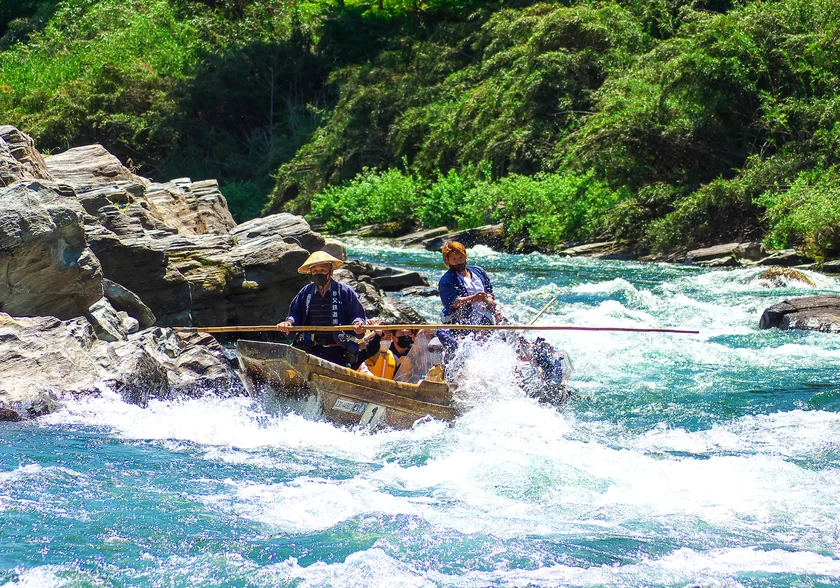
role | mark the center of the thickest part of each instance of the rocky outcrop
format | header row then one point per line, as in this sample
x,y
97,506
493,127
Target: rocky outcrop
x,y
490,235
46,360
19,160
176,247
45,262
811,313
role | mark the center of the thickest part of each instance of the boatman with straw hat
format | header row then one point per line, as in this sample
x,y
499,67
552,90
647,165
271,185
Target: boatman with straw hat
x,y
326,302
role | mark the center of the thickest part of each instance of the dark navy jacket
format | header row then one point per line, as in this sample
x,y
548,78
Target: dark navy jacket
x,y
452,287
346,310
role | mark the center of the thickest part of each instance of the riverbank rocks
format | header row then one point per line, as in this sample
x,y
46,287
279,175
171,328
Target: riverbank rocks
x,y
811,313
726,255
387,279
489,235
416,239
46,360
19,160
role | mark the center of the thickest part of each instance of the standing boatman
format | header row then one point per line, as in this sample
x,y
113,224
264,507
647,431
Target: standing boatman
x,y
326,302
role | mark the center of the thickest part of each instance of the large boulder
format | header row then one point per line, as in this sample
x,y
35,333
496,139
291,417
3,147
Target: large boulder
x,y
46,360
47,266
193,208
811,313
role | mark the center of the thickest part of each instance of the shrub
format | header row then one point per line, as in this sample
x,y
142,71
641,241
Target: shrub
x,y
807,214
548,209
369,198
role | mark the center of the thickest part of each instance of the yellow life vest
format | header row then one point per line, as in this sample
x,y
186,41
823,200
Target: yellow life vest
x,y
383,365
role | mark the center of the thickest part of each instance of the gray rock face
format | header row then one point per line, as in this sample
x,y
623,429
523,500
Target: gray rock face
x,y
335,248
110,324
375,304
176,247
46,360
811,313
784,258
490,235
48,267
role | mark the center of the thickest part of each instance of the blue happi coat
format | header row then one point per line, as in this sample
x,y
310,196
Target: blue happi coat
x,y
346,309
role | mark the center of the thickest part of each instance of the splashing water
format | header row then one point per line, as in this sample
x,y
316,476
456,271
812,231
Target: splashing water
x,y
709,460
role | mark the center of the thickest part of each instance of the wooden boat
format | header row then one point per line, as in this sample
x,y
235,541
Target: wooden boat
x,y
344,396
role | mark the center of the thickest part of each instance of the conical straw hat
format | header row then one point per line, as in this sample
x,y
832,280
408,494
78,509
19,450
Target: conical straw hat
x,y
317,258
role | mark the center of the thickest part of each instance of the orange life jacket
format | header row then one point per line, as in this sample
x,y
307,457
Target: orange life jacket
x,y
383,365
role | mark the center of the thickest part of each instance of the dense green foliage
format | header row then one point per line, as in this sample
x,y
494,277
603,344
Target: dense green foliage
x,y
664,123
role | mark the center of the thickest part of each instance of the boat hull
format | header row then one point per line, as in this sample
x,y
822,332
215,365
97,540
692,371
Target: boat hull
x,y
344,396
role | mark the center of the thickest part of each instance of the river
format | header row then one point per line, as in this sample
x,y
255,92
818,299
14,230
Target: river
x,y
710,460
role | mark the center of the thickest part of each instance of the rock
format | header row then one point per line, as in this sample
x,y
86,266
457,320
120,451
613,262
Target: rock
x,y
737,251
193,208
107,323
400,280
813,313
392,229
490,235
784,258
831,267
124,300
131,371
376,305
47,266
90,167
335,248
294,229
419,237
425,291
195,363
780,277
19,160
46,360
602,250
7,414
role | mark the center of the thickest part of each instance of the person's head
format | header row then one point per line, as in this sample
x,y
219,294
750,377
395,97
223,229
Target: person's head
x,y
321,273
404,338
454,256
319,266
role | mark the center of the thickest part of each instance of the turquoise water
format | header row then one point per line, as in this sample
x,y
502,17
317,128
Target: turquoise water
x,y
710,460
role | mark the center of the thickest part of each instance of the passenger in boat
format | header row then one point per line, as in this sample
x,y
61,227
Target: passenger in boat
x,y
402,343
383,363
326,302
466,293
465,290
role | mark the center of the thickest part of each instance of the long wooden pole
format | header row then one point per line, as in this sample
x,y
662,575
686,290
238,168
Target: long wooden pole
x,y
546,307
313,329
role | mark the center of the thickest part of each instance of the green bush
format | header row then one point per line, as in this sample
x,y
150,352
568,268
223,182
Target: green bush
x,y
806,214
549,209
369,198
457,200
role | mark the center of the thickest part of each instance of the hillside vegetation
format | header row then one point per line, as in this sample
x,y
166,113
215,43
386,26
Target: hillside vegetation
x,y
663,123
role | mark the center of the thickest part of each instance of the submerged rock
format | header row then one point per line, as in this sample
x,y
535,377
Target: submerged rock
x,y
811,313
780,277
